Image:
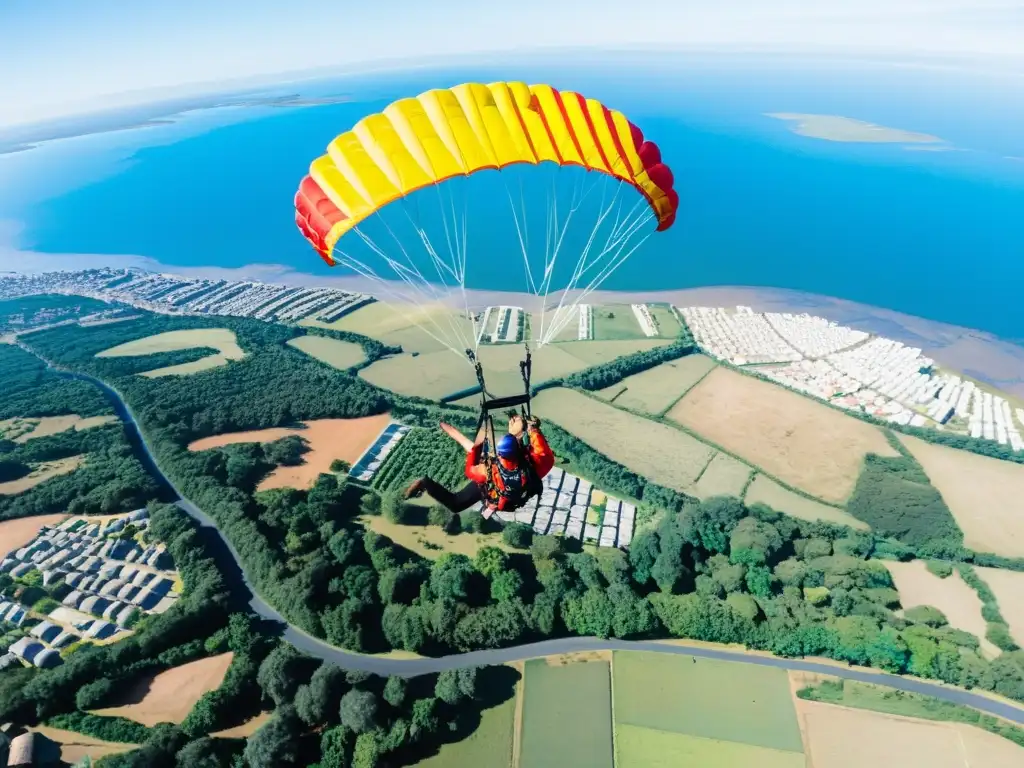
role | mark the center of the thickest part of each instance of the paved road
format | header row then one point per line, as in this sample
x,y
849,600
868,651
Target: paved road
x,y
412,667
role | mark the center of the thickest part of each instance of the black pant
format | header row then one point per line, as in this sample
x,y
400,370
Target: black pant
x,y
466,497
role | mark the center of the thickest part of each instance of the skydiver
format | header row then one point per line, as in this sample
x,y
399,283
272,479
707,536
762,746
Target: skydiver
x,y
515,475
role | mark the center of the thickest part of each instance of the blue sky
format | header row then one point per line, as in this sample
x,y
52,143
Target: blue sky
x,y
61,57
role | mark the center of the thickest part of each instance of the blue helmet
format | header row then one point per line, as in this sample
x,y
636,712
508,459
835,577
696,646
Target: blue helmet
x,y
508,447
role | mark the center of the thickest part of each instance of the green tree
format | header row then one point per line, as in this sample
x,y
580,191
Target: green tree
x,y
368,750
394,691
275,744
926,614
317,702
358,711
507,585
450,576
518,535
201,753
279,674
424,718
490,561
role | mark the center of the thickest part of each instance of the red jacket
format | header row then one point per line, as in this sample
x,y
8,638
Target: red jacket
x,y
539,455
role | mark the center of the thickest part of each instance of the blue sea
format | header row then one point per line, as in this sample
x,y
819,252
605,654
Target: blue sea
x,y
939,234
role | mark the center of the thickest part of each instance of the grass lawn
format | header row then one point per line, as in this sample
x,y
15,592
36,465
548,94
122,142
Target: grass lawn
x,y
489,746
637,747
567,716
711,699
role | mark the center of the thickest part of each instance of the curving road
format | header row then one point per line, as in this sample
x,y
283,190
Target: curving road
x,y
420,666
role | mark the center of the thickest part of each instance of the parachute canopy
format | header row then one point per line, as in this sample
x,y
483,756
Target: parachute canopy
x,y
440,134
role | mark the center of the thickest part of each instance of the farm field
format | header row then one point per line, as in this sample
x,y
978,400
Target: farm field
x,y
187,369
15,534
23,430
401,324
221,339
951,595
567,715
75,747
706,698
840,737
985,495
40,473
621,324
655,390
803,443
767,491
594,352
423,539
489,746
637,747
170,695
724,476
439,373
1008,587
668,323
328,439
658,452
338,354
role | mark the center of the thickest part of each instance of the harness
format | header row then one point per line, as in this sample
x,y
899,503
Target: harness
x,y
518,484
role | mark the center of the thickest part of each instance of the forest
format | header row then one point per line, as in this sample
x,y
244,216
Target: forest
x,y
110,479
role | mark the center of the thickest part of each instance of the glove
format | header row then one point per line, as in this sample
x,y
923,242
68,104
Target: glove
x,y
533,423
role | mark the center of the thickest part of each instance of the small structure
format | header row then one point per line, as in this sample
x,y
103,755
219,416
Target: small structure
x,y
32,750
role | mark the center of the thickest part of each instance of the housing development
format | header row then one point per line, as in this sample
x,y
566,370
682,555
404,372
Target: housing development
x,y
853,370
174,294
103,578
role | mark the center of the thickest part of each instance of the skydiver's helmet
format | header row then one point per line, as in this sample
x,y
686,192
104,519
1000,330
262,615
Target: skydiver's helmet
x,y
508,448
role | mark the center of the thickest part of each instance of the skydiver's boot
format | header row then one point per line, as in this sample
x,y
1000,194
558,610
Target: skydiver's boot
x,y
416,487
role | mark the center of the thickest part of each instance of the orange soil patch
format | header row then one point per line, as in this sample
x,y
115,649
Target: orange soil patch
x,y
805,444
839,737
1008,587
15,534
170,695
77,746
985,495
328,439
40,473
246,729
951,595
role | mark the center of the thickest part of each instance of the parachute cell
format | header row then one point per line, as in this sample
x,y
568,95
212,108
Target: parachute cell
x,y
472,127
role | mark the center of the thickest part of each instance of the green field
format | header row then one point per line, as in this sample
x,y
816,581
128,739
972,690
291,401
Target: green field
x,y
767,491
489,746
655,390
567,716
339,354
637,747
668,323
710,699
660,453
725,476
594,352
616,321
